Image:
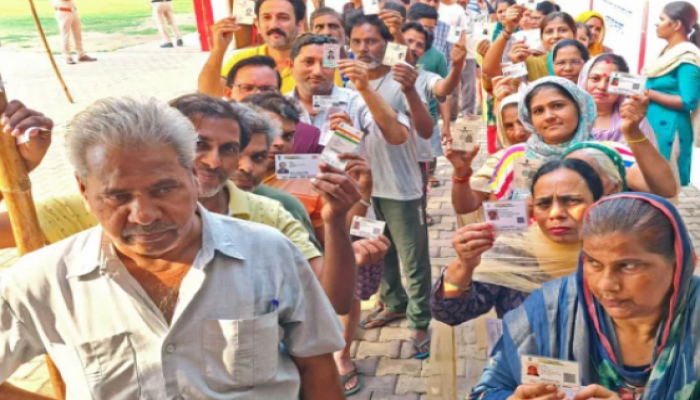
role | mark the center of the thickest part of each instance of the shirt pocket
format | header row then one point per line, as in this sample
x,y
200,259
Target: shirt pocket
x,y
240,353
110,367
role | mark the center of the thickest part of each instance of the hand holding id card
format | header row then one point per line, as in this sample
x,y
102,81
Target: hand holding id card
x,y
297,166
395,53
244,11
548,371
465,134
506,216
515,70
345,140
626,84
366,228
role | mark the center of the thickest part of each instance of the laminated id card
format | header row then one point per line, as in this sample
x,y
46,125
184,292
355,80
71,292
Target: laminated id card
x,y
506,216
518,70
626,84
395,53
541,370
366,228
244,11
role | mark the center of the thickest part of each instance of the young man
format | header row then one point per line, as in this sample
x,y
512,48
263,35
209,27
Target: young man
x,y
162,267
69,23
437,28
279,23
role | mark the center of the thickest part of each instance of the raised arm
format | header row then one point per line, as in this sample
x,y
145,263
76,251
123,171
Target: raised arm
x,y
210,80
385,117
464,199
492,60
458,54
651,173
406,75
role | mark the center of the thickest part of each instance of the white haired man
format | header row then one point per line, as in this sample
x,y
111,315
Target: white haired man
x,y
164,299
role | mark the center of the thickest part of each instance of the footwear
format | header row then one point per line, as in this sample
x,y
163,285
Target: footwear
x,y
86,58
344,379
70,61
166,46
422,349
179,43
377,321
434,182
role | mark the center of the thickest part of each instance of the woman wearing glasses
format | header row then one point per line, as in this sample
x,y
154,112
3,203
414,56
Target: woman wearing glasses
x,y
567,58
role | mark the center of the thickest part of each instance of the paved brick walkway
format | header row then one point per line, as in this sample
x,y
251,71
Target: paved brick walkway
x,y
149,71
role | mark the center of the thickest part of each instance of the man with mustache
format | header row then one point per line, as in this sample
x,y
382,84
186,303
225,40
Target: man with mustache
x,y
146,303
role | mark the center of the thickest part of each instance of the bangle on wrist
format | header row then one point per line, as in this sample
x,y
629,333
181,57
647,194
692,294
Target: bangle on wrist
x,y
452,284
507,35
637,140
464,179
366,203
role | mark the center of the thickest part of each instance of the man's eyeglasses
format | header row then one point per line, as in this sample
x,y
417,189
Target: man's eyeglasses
x,y
249,89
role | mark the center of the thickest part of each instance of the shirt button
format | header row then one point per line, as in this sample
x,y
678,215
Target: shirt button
x,y
170,349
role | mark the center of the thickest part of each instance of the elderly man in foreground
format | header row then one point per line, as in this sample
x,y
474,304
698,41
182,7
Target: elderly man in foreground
x,y
164,299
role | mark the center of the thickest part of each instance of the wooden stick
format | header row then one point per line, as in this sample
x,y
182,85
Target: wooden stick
x,y
48,51
16,189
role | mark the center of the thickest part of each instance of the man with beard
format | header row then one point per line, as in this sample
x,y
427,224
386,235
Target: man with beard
x,y
145,304
398,193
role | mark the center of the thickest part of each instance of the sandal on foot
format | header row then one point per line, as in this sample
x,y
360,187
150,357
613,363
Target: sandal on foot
x,y
378,321
421,355
344,379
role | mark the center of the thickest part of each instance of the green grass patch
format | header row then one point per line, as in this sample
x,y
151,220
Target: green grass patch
x,y
17,24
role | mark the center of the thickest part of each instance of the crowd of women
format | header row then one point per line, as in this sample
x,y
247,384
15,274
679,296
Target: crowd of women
x,y
604,274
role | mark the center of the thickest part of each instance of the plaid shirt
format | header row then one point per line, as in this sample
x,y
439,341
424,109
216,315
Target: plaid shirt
x,y
440,41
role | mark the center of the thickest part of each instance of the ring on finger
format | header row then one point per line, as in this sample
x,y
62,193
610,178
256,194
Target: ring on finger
x,y
462,240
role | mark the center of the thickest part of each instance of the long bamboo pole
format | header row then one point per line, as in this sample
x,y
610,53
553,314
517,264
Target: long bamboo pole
x,y
48,51
16,189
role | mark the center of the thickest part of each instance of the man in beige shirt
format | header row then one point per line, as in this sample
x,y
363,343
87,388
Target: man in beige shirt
x,y
69,22
164,299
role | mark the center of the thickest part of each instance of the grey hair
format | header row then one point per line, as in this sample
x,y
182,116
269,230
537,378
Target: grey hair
x,y
605,165
258,122
128,123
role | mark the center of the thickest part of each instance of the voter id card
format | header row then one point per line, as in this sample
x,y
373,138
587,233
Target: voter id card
x,y
395,53
331,54
244,11
366,228
541,370
531,37
454,35
370,7
465,134
626,84
297,166
518,70
525,170
506,216
344,140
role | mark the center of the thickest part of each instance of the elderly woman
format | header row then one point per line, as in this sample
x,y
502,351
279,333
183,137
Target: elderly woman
x,y
627,317
594,79
561,115
514,264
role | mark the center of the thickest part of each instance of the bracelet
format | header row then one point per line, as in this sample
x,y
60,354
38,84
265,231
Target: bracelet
x,y
461,180
637,141
506,35
366,203
462,288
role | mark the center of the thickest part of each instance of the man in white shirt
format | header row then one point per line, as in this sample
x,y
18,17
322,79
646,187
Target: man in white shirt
x,y
69,22
164,299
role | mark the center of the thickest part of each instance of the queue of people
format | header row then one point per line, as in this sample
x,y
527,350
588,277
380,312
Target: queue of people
x,y
189,265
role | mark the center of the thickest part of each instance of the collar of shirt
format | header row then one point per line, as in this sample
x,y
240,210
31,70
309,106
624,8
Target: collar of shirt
x,y
83,260
238,205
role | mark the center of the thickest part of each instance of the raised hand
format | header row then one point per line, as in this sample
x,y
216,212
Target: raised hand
x,y
17,120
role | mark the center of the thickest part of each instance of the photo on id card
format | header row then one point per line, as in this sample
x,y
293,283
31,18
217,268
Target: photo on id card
x,y
506,216
542,370
395,53
244,11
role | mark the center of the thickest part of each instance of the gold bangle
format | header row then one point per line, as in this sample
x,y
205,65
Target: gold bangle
x,y
637,141
450,283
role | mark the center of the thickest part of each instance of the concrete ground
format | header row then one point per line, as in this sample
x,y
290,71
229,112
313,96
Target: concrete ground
x,y
147,70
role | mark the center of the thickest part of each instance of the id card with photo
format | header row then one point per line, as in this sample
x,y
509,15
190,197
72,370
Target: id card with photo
x,y
366,228
331,54
506,216
244,11
518,70
541,370
370,7
494,331
454,35
525,170
395,53
297,166
345,140
465,135
531,37
530,4
320,102
626,84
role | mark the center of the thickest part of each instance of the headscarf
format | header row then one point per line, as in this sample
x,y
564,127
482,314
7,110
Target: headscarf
x,y
612,152
502,137
575,327
595,48
613,134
